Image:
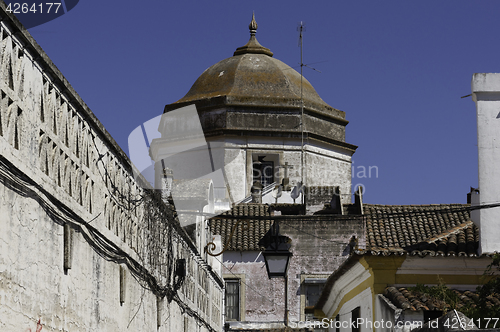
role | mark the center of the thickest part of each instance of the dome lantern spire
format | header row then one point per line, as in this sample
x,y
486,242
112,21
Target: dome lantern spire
x,y
253,25
253,46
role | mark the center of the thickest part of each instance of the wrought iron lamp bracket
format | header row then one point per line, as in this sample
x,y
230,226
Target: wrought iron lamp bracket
x,y
211,246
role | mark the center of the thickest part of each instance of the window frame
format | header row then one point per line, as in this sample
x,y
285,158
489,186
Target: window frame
x,y
306,279
252,155
240,278
237,295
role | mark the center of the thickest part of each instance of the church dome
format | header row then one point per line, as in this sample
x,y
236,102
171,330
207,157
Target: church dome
x,y
252,77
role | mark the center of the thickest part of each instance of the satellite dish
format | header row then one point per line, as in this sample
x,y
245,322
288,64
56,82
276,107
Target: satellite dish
x,y
277,192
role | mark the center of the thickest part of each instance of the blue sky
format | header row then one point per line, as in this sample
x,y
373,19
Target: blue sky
x,y
397,68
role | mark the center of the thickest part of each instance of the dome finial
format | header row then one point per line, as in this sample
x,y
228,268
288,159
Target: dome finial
x,y
253,25
253,45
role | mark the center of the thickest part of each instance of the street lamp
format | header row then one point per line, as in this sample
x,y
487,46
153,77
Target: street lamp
x,y
277,254
277,258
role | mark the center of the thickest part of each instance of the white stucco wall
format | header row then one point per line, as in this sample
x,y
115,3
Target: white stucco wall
x,y
346,283
362,300
33,284
59,167
486,94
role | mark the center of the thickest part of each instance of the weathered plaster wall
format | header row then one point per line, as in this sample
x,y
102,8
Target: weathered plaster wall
x,y
67,227
33,284
325,165
319,246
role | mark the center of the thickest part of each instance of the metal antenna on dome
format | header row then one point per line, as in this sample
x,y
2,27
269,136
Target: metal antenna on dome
x,y
302,125
303,161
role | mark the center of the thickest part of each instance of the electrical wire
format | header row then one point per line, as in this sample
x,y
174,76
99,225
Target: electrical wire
x,y
329,217
106,177
285,219
19,182
23,185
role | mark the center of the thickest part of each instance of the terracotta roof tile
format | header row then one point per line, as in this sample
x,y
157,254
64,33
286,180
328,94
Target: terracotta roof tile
x,y
438,229
406,299
248,232
435,230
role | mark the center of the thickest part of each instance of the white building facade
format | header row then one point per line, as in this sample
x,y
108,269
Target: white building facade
x,y
82,244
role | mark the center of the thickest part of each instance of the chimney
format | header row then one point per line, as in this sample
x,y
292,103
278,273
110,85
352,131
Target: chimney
x,y
166,183
471,196
358,200
336,202
256,192
486,95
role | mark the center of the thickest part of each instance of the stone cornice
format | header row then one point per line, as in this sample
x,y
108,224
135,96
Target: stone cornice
x,y
333,114
280,133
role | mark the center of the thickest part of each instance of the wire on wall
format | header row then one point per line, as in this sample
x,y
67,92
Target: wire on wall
x,y
24,186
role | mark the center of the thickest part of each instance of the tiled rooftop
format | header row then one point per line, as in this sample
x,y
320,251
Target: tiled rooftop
x,y
434,230
406,299
441,229
247,234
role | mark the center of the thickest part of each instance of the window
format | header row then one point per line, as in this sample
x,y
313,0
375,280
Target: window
x,y
356,313
233,299
263,171
313,291
312,286
263,166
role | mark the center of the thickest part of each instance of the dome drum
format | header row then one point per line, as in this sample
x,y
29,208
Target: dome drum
x,y
268,122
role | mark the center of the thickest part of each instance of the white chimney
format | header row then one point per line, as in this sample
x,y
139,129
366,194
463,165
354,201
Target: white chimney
x,y
486,94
